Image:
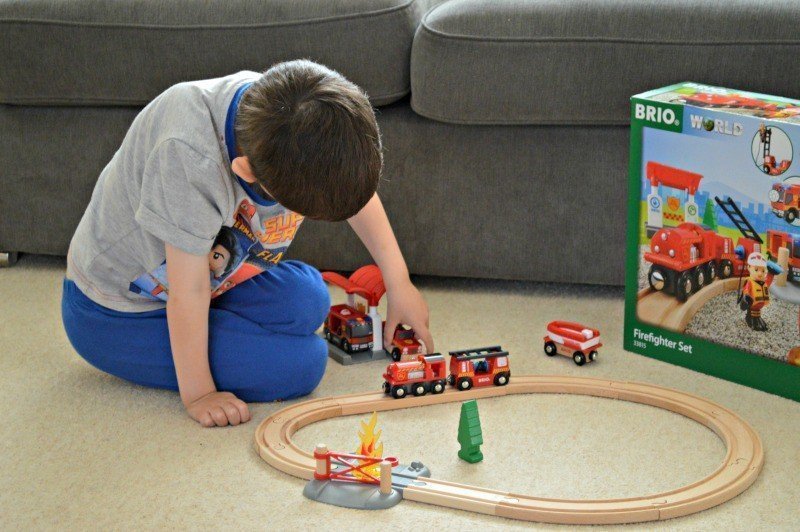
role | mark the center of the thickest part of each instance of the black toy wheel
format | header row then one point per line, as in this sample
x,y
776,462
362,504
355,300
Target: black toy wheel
x,y
451,380
464,383
396,354
550,349
419,389
725,269
699,277
579,358
593,356
398,392
386,387
437,387
791,216
326,333
346,346
711,272
684,286
657,278
501,379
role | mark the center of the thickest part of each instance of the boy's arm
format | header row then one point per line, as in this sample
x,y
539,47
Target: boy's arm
x,y
187,317
405,302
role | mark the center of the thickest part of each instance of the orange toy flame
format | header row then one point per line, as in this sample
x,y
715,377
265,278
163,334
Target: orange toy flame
x,y
369,446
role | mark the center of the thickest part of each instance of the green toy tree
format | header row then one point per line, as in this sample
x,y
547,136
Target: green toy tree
x,y
469,433
709,216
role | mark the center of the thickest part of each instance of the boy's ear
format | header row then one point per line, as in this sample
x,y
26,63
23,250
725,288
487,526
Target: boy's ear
x,y
241,167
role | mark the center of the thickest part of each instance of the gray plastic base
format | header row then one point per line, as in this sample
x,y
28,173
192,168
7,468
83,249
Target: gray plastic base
x,y
365,496
358,357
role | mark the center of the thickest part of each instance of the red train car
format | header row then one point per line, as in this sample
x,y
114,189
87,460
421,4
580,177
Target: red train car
x,y
573,340
484,366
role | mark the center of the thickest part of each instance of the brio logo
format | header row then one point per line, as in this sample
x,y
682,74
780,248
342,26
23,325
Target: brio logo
x,y
652,113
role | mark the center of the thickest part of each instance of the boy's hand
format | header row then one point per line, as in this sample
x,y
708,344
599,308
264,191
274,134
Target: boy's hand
x,y
407,306
218,409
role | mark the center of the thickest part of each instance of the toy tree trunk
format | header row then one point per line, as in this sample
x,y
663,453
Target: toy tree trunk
x,y
469,433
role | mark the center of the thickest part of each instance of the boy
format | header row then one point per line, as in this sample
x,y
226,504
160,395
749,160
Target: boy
x,y
174,274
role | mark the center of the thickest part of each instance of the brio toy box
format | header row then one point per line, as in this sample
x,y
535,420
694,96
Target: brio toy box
x,y
713,256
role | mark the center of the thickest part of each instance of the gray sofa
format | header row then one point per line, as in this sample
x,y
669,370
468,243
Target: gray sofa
x,y
504,121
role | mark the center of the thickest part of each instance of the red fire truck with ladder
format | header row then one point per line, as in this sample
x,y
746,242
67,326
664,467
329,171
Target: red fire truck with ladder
x,y
784,198
768,161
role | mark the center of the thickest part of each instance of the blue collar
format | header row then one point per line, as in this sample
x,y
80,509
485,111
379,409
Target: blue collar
x,y
230,144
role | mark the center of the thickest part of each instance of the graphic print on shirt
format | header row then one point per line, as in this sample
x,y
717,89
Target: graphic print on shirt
x,y
247,248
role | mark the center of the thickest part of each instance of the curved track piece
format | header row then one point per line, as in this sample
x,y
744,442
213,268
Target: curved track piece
x,y
663,310
742,464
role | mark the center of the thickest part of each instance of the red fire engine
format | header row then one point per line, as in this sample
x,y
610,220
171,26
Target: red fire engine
x,y
573,340
484,366
686,258
426,374
348,328
769,164
404,344
785,201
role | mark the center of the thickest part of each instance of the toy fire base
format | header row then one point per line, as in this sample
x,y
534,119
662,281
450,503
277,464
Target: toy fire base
x,y
660,176
350,328
573,340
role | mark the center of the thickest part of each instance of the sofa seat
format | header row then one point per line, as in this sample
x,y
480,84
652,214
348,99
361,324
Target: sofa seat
x,y
125,52
577,62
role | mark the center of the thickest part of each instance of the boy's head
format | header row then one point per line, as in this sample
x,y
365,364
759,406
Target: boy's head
x,y
311,140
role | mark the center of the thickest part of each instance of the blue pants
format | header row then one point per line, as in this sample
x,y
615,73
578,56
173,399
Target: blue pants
x,y
262,345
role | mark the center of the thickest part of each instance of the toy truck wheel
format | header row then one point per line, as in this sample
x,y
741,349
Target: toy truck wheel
x,y
725,269
684,286
699,277
386,387
346,346
791,216
398,392
396,354
326,333
437,387
464,383
579,358
593,356
451,380
550,349
419,389
501,379
657,277
711,272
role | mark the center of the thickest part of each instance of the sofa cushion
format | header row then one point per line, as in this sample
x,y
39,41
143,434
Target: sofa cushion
x,y
578,61
125,52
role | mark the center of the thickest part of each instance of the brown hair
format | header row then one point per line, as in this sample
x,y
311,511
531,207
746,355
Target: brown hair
x,y
312,140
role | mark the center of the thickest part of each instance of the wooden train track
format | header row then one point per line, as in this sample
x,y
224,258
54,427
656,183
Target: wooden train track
x,y
664,310
742,464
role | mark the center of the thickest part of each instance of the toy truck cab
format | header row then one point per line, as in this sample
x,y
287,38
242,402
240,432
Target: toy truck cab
x,y
348,328
482,366
573,340
425,374
785,201
405,345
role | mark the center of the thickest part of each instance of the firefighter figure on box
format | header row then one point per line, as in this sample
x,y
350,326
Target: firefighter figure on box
x,y
755,293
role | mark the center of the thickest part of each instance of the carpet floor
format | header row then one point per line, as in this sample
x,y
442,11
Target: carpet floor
x,y
84,450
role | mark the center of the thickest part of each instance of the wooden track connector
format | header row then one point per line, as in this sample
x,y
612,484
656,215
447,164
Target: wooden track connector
x,y
743,460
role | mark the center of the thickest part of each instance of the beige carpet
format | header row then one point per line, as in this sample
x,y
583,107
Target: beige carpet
x,y
82,449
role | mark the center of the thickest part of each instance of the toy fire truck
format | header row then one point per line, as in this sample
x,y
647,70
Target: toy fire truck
x,y
785,201
404,344
348,328
573,340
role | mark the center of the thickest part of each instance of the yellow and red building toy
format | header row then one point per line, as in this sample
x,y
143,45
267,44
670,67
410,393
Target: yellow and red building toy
x,y
573,340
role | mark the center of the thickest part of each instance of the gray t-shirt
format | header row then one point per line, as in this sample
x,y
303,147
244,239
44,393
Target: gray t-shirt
x,y
170,181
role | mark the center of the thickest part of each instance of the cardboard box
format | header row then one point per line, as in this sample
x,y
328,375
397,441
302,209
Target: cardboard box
x,y
714,206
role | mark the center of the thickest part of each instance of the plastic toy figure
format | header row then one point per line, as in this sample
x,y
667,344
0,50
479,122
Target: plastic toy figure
x,y
755,293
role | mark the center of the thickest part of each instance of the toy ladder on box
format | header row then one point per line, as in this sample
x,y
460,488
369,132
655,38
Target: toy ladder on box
x,y
736,216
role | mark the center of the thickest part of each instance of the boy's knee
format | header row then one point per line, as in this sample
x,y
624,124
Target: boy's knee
x,y
309,303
